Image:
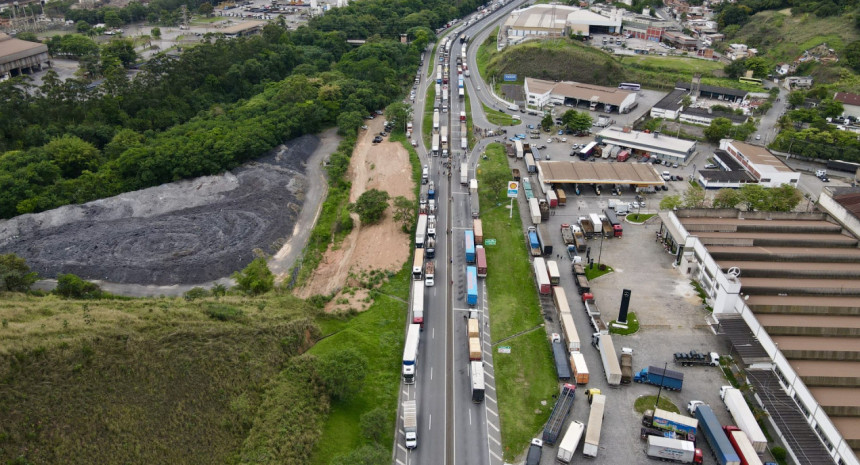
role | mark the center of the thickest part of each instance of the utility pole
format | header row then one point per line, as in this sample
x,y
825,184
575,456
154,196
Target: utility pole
x,y
660,391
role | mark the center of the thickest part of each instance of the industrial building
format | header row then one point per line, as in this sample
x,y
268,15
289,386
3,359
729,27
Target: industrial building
x,y
704,116
785,293
741,163
19,57
669,106
850,103
544,21
243,29
712,92
656,145
608,99
572,172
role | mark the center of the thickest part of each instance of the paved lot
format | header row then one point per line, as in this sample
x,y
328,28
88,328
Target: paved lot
x,y
671,315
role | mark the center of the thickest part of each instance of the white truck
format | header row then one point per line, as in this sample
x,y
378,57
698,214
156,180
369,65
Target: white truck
x,y
431,225
464,173
595,424
534,210
570,441
674,450
743,416
429,273
610,359
596,223
410,423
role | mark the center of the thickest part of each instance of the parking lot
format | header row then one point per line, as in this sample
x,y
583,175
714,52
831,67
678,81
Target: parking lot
x,y
672,318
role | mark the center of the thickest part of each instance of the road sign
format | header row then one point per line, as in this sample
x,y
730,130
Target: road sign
x,y
489,242
504,349
513,189
510,77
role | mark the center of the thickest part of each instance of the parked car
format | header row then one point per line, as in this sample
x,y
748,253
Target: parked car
x,y
674,165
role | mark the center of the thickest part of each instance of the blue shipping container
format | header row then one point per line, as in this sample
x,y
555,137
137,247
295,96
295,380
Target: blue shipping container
x,y
723,450
669,379
533,240
472,285
470,246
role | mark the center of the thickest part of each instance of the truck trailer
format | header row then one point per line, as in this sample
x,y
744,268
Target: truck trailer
x,y
534,210
617,228
481,261
410,353
570,333
611,368
464,173
541,276
673,450
559,355
626,367
472,286
570,441
410,423
562,408
670,422
587,227
743,446
566,234
543,237
418,302
669,379
580,368
554,274
476,375
595,424
469,245
716,437
478,228
534,242
421,231
744,418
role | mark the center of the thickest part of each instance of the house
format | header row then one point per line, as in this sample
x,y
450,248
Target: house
x,y
850,102
782,69
797,82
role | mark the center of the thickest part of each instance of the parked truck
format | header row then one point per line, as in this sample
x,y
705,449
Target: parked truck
x,y
566,234
570,441
560,354
596,224
410,423
429,273
580,368
531,166
582,284
716,437
563,405
693,357
469,245
535,452
743,446
595,424
611,368
544,210
587,227
543,237
481,261
464,173
474,206
430,247
551,198
578,239
534,210
744,418
553,272
478,227
669,379
541,276
431,226
626,365
673,450
617,228
670,422
606,227
472,286
534,242
516,174
475,349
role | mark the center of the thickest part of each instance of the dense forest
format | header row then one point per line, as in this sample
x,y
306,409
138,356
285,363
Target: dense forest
x,y
741,11
217,105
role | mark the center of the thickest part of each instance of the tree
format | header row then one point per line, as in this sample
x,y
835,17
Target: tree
x,y
342,372
758,65
546,122
735,69
82,27
15,274
718,129
694,196
830,108
122,49
727,198
348,122
784,198
375,424
155,33
398,113
754,196
671,202
256,278
112,19
73,155
205,9
796,98
579,121
72,286
368,454
404,212
370,206
686,101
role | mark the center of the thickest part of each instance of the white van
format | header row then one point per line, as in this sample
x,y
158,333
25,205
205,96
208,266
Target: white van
x,y
666,175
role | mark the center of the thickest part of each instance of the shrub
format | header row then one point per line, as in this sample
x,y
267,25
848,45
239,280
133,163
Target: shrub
x,y
196,293
15,275
72,286
342,373
374,424
223,312
256,278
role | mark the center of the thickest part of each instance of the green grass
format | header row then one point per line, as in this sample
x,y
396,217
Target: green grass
x,y
638,218
486,51
673,64
644,403
499,118
427,129
204,20
632,325
526,376
470,133
592,272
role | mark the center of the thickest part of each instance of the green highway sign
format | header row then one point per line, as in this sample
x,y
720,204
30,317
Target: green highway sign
x,y
489,242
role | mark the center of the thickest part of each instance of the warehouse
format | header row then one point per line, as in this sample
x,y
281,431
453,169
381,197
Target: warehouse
x,y
608,99
572,172
18,57
543,21
655,144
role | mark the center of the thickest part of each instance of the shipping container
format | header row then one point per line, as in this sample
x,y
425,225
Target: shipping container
x,y
744,418
595,424
481,261
743,447
473,327
716,437
475,348
478,228
418,303
552,271
469,245
562,197
570,441
541,276
580,368
570,333
471,286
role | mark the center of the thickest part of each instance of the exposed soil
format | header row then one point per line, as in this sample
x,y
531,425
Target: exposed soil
x,y
186,232
381,246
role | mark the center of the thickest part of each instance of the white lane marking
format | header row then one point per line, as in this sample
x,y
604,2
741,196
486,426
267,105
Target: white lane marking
x,y
496,456
490,398
470,417
491,411
495,440
487,373
493,425
429,421
431,373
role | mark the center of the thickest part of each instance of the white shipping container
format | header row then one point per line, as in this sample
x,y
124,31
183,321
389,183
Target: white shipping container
x,y
744,418
595,423
570,441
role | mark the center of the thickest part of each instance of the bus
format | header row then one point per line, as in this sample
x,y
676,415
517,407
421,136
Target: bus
x,y
410,353
476,373
418,303
418,265
585,152
630,86
750,80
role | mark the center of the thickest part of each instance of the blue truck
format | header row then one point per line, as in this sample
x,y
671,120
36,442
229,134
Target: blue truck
x,y
470,246
713,432
472,285
431,190
534,242
669,379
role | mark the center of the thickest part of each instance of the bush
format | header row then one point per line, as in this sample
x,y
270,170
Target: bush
x,y
374,424
779,453
223,312
196,293
72,286
15,275
256,278
342,373
371,205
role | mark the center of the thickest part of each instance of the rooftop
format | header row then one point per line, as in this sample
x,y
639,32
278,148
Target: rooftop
x,y
848,197
847,98
540,17
672,101
713,89
242,27
734,118
12,49
570,89
764,161
656,142
603,173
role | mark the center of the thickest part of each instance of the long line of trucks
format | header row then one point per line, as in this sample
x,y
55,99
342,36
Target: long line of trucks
x,y
743,417
743,447
595,424
560,357
534,242
543,237
534,210
418,303
713,432
472,286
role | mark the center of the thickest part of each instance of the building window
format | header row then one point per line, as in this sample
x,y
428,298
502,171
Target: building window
x,y
765,180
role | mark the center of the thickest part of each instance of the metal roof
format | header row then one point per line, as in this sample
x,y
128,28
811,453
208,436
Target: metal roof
x,y
742,339
791,422
728,161
672,101
573,172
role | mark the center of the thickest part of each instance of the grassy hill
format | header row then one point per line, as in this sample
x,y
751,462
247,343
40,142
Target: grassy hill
x,y
165,381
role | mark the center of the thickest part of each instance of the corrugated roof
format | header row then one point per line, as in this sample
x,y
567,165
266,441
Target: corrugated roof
x,y
728,161
847,98
603,173
810,321
760,157
828,343
672,100
713,89
580,91
849,198
836,396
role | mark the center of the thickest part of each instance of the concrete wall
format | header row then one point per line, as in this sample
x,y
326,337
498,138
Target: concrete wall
x,y
846,219
806,310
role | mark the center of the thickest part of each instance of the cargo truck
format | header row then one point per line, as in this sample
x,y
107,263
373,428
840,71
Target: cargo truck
x,y
478,228
431,226
430,247
516,174
596,224
544,210
476,374
534,210
410,423
566,234
606,227
552,271
570,334
543,237
671,422
531,166
673,450
462,115
562,197
464,173
580,368
418,303
469,245
552,198
431,190
560,354
617,228
471,286
534,243
473,186
429,274
518,147
434,147
743,446
669,379
611,368
481,261
421,231
626,366
693,357
744,418
473,327
410,353
473,206
713,432
587,227
541,276
595,423
577,269
623,156
570,441
562,408
535,452
435,120
582,284
578,239
475,349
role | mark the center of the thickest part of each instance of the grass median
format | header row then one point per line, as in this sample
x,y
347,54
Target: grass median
x,y
497,117
526,375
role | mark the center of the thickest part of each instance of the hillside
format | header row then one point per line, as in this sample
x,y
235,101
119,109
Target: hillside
x,y
157,381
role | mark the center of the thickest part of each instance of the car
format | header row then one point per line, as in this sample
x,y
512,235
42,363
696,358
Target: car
x,y
549,141
546,156
574,146
379,112
758,137
478,88
560,132
674,165
664,187
531,126
414,143
825,179
634,205
710,166
363,126
377,139
521,136
564,139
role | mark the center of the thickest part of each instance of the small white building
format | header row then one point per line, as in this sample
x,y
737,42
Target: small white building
x,y
850,103
765,167
540,93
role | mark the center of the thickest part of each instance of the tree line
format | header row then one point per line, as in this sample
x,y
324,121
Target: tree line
x,y
215,106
